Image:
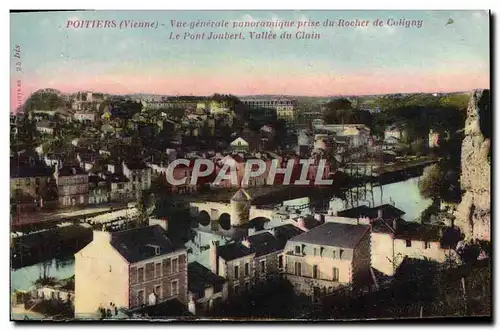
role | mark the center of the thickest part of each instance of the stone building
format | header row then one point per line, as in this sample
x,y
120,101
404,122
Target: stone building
x,y
72,186
206,289
139,175
329,256
253,261
130,270
393,239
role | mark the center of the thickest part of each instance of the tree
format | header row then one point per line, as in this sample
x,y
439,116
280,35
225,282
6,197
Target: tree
x,y
145,206
45,99
431,183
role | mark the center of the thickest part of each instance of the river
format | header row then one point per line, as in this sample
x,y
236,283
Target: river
x,y
404,195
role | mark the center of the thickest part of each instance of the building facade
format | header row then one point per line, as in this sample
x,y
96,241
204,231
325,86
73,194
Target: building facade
x,y
139,175
327,257
72,186
129,269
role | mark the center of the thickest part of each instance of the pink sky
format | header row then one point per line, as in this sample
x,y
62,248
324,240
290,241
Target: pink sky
x,y
313,85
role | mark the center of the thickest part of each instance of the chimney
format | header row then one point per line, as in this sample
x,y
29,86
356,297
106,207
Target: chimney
x,y
379,213
192,305
301,224
214,258
101,236
245,242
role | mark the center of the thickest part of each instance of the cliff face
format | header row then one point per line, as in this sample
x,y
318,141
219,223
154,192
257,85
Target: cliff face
x,y
474,212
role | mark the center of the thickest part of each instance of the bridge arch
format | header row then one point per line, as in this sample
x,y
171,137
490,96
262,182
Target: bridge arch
x,y
203,218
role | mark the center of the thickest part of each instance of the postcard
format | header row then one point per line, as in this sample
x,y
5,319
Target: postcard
x,y
292,166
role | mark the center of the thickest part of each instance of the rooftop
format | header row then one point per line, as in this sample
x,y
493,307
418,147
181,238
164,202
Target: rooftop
x,y
23,170
140,243
71,171
233,251
334,234
388,212
136,165
200,277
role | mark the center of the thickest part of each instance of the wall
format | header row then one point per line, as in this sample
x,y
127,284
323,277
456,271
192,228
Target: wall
x,y
388,253
101,277
232,281
361,262
418,251
325,271
382,252
164,280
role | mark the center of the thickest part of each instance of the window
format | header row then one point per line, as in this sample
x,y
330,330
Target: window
x,y
140,275
280,261
263,266
334,254
427,245
157,250
158,291
167,266
315,271
247,269
298,269
335,274
175,265
408,243
157,270
236,271
175,287
140,297
297,249
218,287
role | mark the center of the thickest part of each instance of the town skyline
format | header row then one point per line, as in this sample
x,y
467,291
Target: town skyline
x,y
385,60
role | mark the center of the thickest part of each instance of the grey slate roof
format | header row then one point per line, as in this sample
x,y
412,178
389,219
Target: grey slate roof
x,y
23,170
137,244
71,171
200,277
334,234
388,212
262,243
233,251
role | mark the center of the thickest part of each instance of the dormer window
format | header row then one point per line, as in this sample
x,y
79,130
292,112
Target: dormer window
x,y
156,249
297,249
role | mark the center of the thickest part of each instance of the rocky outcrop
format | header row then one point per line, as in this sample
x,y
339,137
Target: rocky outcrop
x,y
474,212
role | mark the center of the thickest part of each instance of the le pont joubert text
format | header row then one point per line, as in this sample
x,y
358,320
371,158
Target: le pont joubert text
x,y
253,35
